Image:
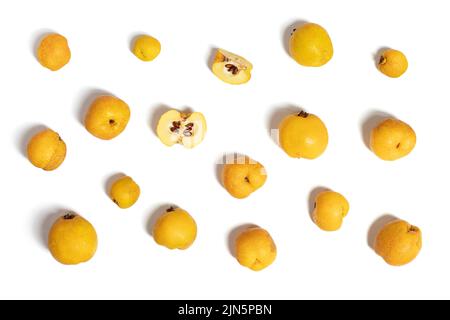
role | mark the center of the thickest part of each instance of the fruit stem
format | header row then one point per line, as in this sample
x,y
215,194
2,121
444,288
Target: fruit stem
x,y
171,209
382,60
185,115
413,229
303,114
69,216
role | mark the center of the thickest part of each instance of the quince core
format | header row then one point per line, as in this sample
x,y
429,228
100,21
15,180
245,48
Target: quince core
x,y
187,129
231,68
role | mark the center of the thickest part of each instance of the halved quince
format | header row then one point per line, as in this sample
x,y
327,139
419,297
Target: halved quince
x,y
231,68
187,129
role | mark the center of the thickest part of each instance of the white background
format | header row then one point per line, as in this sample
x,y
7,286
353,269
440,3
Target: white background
x,y
348,94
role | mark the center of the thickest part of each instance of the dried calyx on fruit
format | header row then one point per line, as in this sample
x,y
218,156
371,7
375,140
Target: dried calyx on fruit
x,y
303,135
69,215
392,63
231,68
187,129
303,114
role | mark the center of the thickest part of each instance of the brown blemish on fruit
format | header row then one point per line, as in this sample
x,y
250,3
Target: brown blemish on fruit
x,y
247,179
398,145
413,229
112,122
